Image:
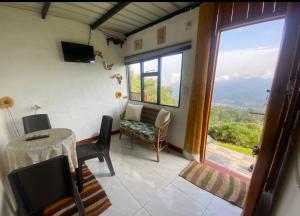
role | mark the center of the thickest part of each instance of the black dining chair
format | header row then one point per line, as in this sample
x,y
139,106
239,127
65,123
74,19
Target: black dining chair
x,y
36,122
39,185
100,149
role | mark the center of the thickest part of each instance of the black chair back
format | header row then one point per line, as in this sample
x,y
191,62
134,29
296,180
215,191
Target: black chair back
x,y
36,122
37,186
105,132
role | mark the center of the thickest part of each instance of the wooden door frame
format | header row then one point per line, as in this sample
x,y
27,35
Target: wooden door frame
x,y
212,67
213,56
275,108
275,104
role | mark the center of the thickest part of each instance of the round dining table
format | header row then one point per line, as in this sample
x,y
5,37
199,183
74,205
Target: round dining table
x,y
59,141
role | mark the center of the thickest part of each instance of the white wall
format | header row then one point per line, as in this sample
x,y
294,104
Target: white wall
x,y
75,95
32,70
176,33
288,200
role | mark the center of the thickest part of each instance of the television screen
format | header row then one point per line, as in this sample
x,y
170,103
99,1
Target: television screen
x,y
77,52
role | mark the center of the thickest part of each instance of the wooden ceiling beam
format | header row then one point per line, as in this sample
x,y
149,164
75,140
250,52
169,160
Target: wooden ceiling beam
x,y
115,9
45,9
169,16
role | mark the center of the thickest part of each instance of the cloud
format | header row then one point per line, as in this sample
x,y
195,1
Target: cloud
x,y
175,77
171,70
247,63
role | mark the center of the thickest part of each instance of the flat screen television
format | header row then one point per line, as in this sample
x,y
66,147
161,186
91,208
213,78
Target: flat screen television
x,y
74,52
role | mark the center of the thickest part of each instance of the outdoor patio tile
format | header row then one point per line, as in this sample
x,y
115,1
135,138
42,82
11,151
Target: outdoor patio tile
x,y
229,159
218,159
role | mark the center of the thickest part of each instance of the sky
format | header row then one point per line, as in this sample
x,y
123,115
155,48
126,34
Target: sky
x,y
170,69
244,53
250,51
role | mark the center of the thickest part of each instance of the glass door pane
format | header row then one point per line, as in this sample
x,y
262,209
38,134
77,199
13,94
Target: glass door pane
x,y
150,89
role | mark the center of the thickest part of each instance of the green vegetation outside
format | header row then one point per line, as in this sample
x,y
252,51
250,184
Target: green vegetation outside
x,y
232,128
240,134
150,85
235,128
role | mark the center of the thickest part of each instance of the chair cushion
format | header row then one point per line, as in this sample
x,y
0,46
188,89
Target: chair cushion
x,y
133,112
162,117
143,130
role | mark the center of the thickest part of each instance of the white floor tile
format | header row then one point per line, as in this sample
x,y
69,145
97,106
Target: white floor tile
x,y
209,213
122,201
143,187
220,207
201,196
142,212
143,183
173,202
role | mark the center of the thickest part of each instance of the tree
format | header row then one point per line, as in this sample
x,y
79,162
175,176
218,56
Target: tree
x,y
135,83
240,134
235,125
150,90
166,96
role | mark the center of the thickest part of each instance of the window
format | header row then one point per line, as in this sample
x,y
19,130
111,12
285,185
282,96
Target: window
x,y
151,66
135,81
156,81
150,89
170,80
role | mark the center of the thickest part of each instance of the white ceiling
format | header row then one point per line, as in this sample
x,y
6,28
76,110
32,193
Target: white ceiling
x,y
132,17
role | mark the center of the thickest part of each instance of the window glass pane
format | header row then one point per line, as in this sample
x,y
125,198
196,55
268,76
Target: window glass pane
x,y
150,89
135,81
151,66
170,79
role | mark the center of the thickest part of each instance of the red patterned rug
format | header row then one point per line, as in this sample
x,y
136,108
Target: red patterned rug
x,y
93,196
225,186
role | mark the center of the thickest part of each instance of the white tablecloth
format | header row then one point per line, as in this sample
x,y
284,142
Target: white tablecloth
x,y
61,141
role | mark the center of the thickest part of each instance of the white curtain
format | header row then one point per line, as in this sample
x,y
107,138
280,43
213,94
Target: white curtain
x,y
7,206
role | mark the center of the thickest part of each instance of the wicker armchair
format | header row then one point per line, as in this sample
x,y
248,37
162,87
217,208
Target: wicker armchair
x,y
157,137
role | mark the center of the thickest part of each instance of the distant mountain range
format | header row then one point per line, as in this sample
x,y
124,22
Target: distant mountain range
x,y
244,93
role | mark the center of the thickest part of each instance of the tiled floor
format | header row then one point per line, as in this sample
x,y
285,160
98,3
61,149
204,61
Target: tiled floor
x,y
142,187
230,159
